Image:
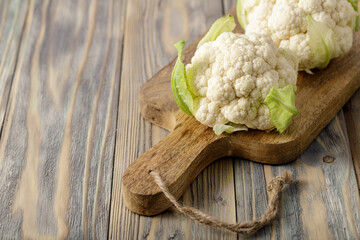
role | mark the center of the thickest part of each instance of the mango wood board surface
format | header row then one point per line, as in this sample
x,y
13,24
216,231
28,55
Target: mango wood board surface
x,y
191,146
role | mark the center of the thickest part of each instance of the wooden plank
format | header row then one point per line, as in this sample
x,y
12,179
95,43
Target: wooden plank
x,y
12,19
352,118
251,195
324,201
227,5
146,49
58,142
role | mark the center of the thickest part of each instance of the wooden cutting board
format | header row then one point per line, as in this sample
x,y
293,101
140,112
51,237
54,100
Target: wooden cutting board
x,y
191,146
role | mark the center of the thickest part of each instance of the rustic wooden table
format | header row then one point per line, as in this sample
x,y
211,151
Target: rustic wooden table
x,y
70,74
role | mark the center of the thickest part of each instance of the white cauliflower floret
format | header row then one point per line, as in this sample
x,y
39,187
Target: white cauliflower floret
x,y
232,76
220,89
285,21
245,85
209,113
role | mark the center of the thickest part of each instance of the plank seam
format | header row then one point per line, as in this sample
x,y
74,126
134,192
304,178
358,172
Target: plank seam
x,y
234,185
349,123
117,118
223,8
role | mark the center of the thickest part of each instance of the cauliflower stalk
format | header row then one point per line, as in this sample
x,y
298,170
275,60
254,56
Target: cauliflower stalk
x,y
316,30
235,81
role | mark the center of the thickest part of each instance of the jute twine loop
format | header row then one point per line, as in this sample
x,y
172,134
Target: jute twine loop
x,y
274,188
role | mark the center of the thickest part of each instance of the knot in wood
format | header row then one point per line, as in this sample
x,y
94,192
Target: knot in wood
x,y
328,159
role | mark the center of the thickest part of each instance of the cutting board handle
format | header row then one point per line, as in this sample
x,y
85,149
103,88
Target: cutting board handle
x,y
179,158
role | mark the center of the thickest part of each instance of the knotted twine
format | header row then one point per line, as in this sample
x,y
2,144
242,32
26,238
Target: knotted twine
x,y
274,188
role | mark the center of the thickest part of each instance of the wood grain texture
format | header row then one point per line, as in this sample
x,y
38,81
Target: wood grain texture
x,y
194,146
12,19
228,5
324,203
352,118
57,145
146,50
251,194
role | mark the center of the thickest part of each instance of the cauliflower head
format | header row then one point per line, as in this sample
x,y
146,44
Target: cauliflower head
x,y
316,30
235,81
233,75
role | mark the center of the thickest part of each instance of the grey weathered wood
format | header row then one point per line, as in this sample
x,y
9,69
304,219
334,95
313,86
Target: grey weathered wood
x,y
352,118
251,195
324,201
148,47
12,19
57,145
227,5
